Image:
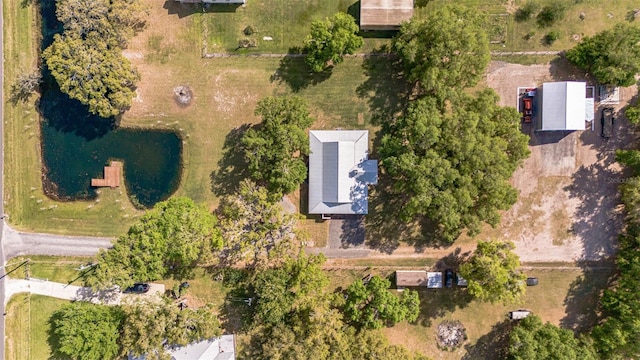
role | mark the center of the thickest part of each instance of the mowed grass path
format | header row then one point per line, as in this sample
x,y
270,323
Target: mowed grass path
x,y
27,324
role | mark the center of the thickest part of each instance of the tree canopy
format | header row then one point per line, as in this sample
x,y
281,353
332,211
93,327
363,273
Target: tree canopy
x,y
533,340
296,318
274,148
87,61
96,76
612,56
149,326
256,230
492,272
298,285
372,305
330,40
452,165
170,239
85,331
448,49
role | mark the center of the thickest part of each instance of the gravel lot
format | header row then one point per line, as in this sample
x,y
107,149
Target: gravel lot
x,y
569,208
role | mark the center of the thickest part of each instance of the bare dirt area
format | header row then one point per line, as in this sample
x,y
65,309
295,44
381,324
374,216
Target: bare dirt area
x,y
569,208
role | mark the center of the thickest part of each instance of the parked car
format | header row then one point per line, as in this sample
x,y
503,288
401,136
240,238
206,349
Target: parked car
x,y
448,278
519,314
137,288
532,281
607,120
460,281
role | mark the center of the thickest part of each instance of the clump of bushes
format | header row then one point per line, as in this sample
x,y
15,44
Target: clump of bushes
x,y
551,37
250,30
525,12
633,113
550,14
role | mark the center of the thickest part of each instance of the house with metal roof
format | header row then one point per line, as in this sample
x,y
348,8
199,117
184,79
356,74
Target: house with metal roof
x,y
340,172
384,14
563,106
220,348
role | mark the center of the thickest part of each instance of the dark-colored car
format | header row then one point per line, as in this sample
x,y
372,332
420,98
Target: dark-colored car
x,y
448,278
532,281
137,288
607,120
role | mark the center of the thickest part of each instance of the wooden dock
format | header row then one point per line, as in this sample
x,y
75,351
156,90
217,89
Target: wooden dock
x,y
112,174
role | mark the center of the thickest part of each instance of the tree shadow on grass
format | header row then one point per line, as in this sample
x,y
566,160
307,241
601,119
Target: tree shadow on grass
x,y
436,303
385,230
583,297
493,345
296,73
386,90
53,339
232,167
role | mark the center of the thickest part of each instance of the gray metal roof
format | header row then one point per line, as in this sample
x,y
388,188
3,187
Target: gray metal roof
x,y
563,106
339,172
220,348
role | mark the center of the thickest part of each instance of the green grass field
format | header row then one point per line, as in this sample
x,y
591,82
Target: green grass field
x,y
27,324
52,268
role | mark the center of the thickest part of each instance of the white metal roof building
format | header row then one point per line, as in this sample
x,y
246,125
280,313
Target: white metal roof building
x,y
340,172
563,106
220,348
434,280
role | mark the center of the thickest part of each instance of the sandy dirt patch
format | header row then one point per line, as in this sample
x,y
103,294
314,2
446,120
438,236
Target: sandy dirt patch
x,y
569,208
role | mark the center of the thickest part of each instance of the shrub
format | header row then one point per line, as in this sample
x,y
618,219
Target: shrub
x,y
551,37
530,35
550,14
633,114
250,30
526,12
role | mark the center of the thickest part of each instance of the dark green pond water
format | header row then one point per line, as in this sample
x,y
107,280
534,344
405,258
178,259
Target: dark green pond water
x,y
76,145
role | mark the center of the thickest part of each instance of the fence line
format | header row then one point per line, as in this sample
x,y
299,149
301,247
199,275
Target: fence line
x,y
360,55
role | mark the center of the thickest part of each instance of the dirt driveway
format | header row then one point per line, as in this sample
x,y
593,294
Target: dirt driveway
x,y
568,209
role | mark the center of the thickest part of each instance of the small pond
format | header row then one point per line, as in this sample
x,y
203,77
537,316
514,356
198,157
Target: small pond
x,y
76,145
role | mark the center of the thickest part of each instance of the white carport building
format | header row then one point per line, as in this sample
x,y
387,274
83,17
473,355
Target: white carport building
x,y
340,172
563,106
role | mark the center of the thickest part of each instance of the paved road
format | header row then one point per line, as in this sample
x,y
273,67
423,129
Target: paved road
x,y
20,243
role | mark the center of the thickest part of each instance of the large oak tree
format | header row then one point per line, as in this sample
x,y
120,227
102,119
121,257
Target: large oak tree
x,y
452,164
449,49
533,340
168,240
274,149
85,331
612,56
492,272
330,40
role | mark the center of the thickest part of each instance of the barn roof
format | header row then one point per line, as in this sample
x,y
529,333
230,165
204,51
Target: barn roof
x,y
384,14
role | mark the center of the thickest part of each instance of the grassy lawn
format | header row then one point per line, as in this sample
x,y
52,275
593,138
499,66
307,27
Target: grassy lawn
x,y
27,324
52,268
567,298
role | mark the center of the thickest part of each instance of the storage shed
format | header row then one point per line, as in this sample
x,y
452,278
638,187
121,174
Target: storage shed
x,y
434,280
411,278
384,14
563,106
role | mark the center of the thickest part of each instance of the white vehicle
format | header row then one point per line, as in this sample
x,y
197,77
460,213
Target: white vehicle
x,y
519,314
